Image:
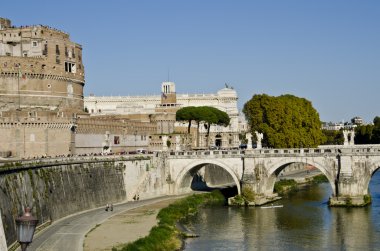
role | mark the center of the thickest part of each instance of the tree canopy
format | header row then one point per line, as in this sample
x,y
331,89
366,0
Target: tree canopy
x,y
206,114
333,137
368,134
286,121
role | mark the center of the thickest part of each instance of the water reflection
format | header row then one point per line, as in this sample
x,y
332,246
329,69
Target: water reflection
x,y
304,223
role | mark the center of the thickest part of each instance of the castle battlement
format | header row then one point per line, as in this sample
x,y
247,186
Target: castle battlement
x,y
39,67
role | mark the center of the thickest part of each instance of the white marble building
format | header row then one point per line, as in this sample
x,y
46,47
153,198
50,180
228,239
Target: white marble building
x,y
224,99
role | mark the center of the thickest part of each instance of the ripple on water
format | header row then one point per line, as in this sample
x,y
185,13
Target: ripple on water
x,y
304,223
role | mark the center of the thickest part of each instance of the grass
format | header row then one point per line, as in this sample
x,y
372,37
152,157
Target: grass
x,y
284,186
165,236
321,178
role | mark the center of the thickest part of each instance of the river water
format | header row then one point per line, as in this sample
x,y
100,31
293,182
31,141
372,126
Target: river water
x,y
304,223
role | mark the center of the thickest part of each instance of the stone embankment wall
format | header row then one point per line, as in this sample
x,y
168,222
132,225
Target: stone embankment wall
x,y
56,189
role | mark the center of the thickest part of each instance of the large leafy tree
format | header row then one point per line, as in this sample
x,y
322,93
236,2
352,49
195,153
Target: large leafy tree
x,y
286,121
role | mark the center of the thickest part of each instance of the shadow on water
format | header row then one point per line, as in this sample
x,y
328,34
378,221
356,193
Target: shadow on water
x,y
198,184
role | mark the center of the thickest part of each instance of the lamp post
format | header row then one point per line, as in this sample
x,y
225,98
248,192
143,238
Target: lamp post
x,y
26,224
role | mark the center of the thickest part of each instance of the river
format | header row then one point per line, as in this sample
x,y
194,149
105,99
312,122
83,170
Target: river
x,y
304,223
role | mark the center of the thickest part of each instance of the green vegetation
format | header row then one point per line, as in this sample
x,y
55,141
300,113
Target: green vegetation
x,y
248,194
321,178
284,186
165,236
333,137
367,199
246,197
368,134
206,114
286,121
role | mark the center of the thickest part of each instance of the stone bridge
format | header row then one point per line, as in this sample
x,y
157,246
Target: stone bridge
x,y
348,168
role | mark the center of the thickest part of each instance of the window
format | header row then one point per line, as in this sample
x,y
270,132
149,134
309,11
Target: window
x,y
116,140
70,67
34,43
45,51
57,49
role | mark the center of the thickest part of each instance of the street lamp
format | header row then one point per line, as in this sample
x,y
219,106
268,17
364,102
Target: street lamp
x,y
26,224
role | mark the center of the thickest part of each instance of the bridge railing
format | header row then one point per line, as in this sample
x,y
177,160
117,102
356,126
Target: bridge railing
x,y
295,151
207,153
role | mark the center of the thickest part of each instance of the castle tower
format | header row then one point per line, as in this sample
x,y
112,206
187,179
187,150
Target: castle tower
x,y
168,94
39,68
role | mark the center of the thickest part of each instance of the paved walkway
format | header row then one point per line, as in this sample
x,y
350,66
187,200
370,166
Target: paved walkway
x,y
69,233
125,227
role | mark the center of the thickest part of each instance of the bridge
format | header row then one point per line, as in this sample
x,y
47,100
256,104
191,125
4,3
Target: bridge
x,y
348,169
97,180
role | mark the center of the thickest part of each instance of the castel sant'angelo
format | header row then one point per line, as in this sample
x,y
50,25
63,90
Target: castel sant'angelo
x,y
43,110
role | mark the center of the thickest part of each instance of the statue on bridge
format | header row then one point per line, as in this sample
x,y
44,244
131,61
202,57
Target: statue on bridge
x,y
349,137
178,143
248,136
352,137
345,135
259,137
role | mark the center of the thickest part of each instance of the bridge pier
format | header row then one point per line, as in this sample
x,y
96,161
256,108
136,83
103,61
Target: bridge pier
x,y
256,179
350,193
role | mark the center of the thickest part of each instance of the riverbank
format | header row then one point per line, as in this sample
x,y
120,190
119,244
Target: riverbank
x,y
288,185
149,227
125,227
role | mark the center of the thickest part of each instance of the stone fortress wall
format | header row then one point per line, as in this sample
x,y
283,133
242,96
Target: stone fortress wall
x,y
69,186
39,67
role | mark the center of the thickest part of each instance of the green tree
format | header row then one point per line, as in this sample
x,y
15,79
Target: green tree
x,y
333,137
202,114
286,121
368,134
214,116
363,134
376,131
186,114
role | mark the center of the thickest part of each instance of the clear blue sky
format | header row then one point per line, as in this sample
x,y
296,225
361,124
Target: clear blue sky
x,y
327,51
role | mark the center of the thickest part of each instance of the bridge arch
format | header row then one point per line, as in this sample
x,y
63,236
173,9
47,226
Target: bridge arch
x,y
184,174
374,167
278,166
